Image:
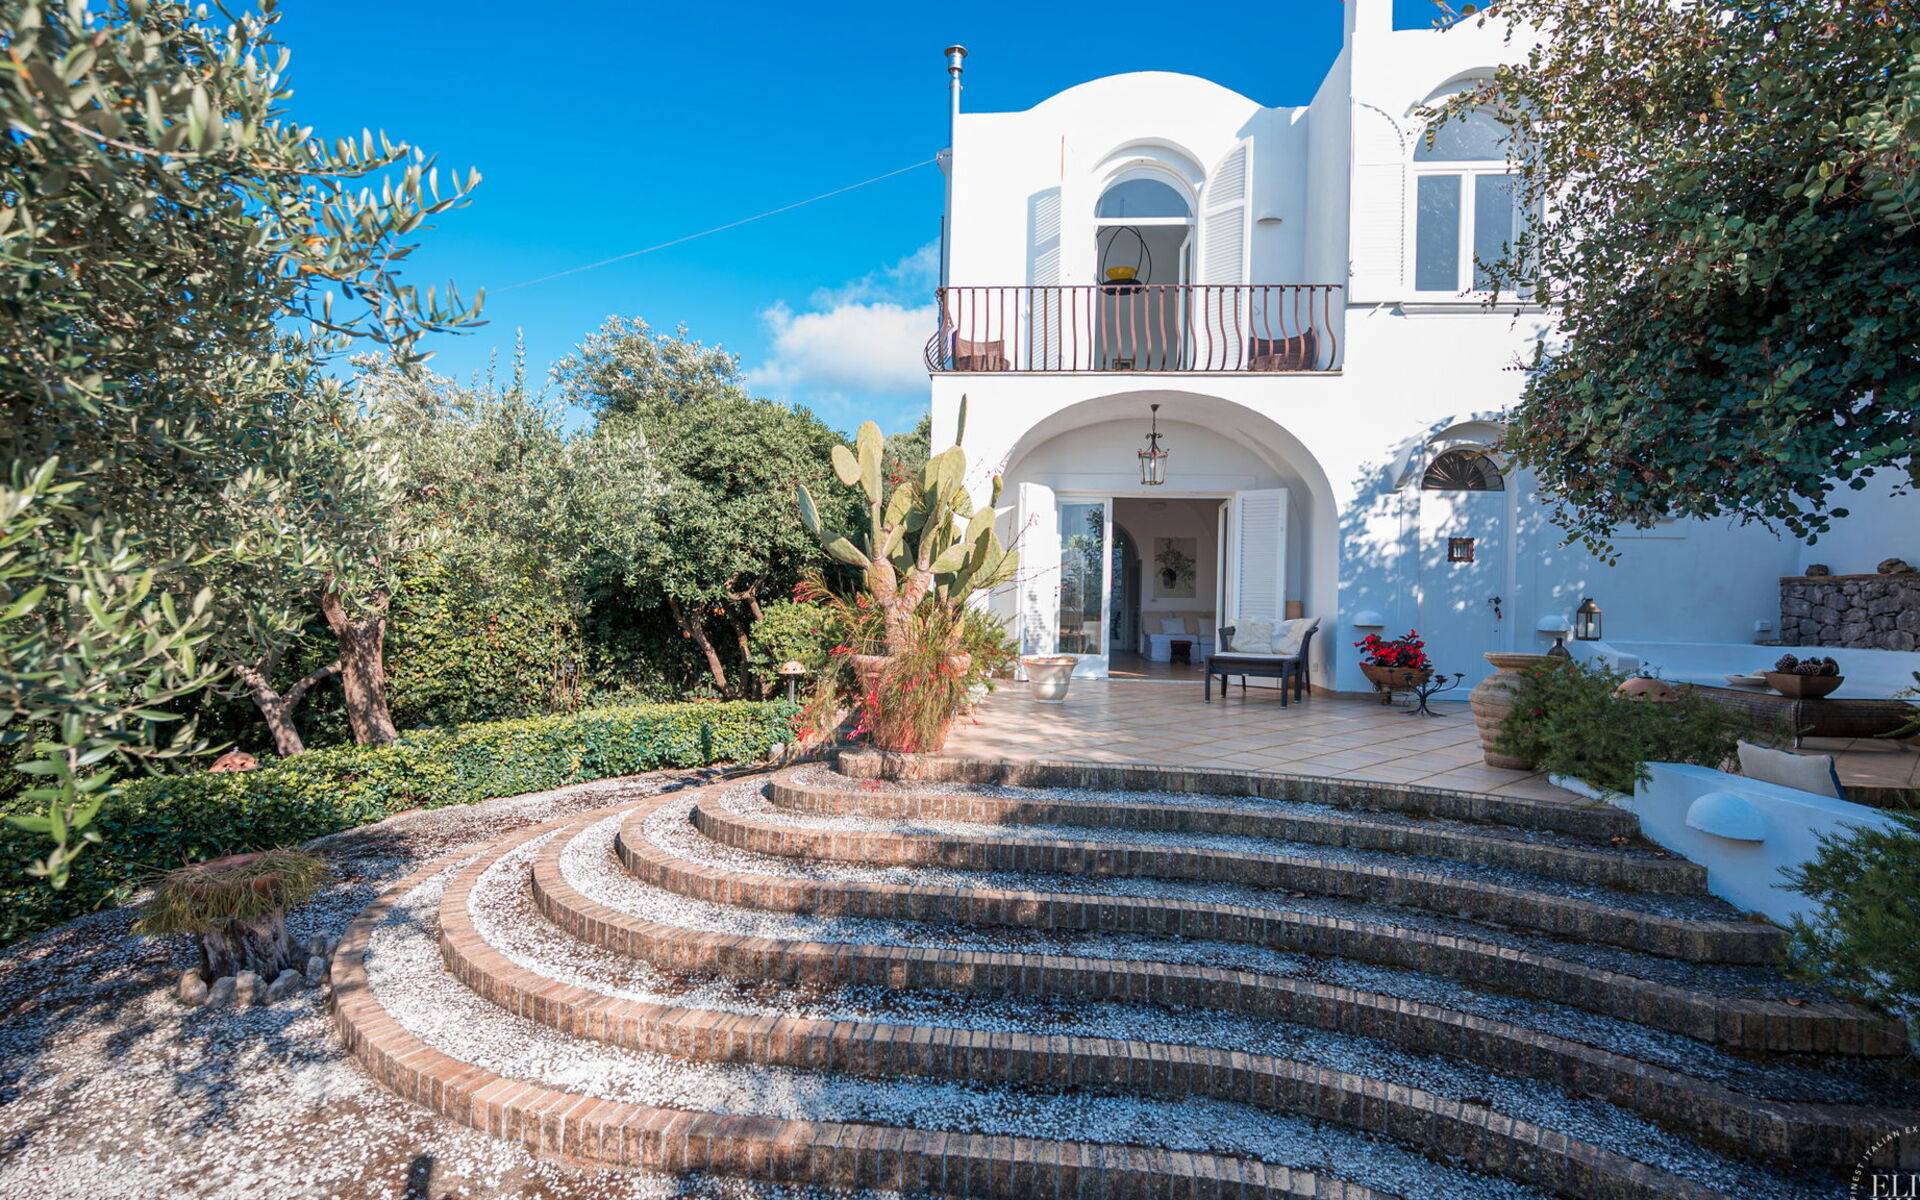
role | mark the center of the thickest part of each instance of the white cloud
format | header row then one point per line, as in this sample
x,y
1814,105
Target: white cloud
x,y
864,340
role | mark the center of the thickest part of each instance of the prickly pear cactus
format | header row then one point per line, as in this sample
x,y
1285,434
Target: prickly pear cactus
x,y
921,541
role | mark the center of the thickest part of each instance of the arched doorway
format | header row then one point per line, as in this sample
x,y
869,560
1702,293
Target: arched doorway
x,y
1124,611
1143,248
1464,602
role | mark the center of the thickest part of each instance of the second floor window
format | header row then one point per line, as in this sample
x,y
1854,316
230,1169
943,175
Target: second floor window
x,y
1468,206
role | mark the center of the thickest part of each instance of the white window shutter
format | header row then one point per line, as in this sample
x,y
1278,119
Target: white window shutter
x,y
1046,307
1259,544
1226,207
1039,546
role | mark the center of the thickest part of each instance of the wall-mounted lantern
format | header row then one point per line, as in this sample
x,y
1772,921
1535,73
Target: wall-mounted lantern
x,y
1586,621
1153,460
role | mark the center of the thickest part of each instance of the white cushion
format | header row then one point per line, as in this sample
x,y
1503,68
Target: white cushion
x,y
1805,772
1173,625
1288,638
1253,637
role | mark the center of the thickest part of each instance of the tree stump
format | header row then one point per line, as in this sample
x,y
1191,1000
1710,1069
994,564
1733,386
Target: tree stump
x,y
260,945
235,908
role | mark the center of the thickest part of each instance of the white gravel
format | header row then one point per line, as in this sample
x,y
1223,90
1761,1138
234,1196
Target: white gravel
x,y
110,1091
502,910
404,970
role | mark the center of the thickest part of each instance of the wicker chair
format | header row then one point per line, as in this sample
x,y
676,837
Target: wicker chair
x,y
1289,669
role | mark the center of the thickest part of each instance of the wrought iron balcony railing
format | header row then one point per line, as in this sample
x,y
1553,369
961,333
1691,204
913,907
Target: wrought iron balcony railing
x,y
1272,327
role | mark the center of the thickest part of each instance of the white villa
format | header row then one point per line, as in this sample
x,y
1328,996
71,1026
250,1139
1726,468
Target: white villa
x,y
1295,288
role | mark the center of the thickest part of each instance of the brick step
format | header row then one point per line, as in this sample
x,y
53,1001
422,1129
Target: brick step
x,y
1472,1134
579,1128
1691,939
1794,1133
813,791
1743,1023
1597,821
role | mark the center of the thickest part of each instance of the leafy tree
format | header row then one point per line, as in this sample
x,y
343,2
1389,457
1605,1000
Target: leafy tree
x,y
160,222
723,533
1731,231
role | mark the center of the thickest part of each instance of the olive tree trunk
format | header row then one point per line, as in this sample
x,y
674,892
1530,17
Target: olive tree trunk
x,y
363,672
276,708
261,946
691,626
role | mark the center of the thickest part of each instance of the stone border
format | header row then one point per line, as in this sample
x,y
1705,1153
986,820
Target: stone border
x,y
1599,866
1749,1024
1581,819
578,1128
1700,940
1481,1138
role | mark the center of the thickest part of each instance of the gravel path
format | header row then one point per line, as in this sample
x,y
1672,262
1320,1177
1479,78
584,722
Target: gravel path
x,y
404,969
503,913
110,1091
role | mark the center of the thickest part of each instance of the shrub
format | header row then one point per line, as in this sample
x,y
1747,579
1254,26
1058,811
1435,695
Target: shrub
x,y
1566,720
794,629
1861,941
160,822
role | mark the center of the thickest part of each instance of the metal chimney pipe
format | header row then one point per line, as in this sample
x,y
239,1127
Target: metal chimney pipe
x,y
956,64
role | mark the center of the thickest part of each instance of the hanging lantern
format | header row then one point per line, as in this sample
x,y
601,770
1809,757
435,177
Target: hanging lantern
x,y
1118,277
1586,621
1153,460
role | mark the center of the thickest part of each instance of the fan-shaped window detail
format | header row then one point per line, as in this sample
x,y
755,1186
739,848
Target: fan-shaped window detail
x,y
1142,198
1462,470
1476,136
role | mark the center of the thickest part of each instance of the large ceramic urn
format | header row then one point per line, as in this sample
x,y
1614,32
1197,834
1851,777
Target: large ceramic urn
x,y
1491,701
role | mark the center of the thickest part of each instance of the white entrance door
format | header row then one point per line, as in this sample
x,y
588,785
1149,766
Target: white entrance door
x,y
1464,608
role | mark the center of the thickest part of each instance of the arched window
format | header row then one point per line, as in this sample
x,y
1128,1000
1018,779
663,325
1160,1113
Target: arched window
x,y
1463,470
1468,208
1137,199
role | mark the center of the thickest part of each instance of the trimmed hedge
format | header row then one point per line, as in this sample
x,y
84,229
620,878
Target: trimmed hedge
x,y
163,821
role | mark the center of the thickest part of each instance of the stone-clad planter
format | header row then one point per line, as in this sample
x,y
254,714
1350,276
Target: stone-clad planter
x,y
1865,612
1491,701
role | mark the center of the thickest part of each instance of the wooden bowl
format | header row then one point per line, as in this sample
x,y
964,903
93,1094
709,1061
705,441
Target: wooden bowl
x,y
1803,687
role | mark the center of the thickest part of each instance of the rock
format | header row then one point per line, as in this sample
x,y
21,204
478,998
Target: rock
x,y
192,990
316,971
246,989
1894,566
1817,570
288,982
221,993
234,760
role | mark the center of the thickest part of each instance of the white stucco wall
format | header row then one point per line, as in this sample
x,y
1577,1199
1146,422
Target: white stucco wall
x,y
1331,177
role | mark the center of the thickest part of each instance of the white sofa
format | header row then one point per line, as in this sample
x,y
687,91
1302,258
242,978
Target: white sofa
x,y
1162,629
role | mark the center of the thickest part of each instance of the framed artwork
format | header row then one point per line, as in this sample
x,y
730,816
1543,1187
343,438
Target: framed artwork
x,y
1176,568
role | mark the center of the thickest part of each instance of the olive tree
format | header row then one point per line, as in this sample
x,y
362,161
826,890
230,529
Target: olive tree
x,y
161,223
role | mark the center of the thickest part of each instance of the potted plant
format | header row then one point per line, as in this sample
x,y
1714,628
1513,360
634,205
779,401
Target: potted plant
x,y
1805,678
1048,675
1400,662
915,655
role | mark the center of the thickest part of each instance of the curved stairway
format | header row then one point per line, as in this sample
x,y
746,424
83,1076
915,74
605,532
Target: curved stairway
x,y
1118,981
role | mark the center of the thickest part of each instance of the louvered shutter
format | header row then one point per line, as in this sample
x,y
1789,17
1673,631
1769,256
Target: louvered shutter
x,y
1258,580
1039,544
1226,229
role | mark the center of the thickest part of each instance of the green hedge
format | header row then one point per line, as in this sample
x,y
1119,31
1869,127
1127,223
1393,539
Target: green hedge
x,y
162,821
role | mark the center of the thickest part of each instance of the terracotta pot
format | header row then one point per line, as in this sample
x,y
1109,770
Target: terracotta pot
x,y
1642,687
1803,687
1390,679
1491,701
1048,676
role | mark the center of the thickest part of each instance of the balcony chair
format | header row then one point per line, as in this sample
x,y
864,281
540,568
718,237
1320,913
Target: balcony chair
x,y
1283,656
979,356
1298,353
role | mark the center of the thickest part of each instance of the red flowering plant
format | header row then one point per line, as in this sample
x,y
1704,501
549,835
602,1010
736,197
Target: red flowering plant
x,y
1405,653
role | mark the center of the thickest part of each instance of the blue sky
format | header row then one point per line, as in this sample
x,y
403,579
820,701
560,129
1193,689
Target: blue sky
x,y
601,127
